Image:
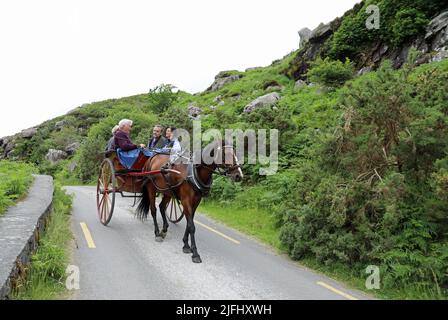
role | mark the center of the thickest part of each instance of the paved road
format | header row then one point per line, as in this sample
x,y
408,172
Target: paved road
x,y
127,262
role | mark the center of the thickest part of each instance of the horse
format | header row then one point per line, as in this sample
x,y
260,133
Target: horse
x,y
189,187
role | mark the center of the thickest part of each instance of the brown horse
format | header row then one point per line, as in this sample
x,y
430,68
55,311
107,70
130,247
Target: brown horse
x,y
189,186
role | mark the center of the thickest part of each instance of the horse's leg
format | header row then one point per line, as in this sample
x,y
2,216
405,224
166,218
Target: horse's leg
x,y
162,206
190,208
152,198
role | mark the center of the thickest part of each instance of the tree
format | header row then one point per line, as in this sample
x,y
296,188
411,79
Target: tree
x,y
162,97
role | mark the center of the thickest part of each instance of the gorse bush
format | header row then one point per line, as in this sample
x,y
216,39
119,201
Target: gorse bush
x,y
330,73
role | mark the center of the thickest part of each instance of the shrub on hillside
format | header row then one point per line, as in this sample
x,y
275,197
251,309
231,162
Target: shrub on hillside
x,y
373,193
161,98
329,73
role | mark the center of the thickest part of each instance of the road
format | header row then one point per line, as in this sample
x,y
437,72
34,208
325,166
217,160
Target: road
x,y
123,261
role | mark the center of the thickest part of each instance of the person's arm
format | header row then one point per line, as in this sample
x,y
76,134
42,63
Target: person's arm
x,y
124,143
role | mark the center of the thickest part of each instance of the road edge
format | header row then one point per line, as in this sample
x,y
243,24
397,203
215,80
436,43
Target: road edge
x,y
40,198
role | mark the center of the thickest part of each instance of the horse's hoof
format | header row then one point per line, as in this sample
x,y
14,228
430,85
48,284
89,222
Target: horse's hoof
x,y
159,239
187,250
163,235
197,259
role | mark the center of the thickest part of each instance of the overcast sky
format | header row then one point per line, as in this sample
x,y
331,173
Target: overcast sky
x,y
57,55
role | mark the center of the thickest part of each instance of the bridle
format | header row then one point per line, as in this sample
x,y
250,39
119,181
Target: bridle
x,y
223,169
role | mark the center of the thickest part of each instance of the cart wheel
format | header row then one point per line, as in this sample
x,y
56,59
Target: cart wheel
x,y
174,210
105,192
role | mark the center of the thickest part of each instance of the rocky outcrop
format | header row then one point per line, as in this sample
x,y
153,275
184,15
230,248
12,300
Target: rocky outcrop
x,y
71,148
305,35
323,31
263,101
28,133
223,78
432,45
56,155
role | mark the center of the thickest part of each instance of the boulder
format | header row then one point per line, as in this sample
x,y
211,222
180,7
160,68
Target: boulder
x,y
299,84
305,35
194,111
28,133
221,103
71,148
436,25
221,82
59,125
263,101
321,32
252,69
217,99
56,155
225,74
8,148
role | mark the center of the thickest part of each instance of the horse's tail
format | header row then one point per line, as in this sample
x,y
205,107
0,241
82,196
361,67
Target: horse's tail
x,y
143,206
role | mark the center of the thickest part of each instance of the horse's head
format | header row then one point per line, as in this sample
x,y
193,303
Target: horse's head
x,y
228,164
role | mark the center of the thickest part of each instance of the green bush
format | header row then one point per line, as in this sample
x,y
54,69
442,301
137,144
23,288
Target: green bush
x,y
374,191
331,74
161,98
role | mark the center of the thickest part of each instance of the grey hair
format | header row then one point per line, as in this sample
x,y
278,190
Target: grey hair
x,y
158,126
124,122
115,129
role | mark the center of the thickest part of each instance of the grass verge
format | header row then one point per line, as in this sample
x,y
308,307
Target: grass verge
x,y
46,277
15,179
252,222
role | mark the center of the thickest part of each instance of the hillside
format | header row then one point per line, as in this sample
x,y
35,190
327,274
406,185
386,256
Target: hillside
x,y
363,122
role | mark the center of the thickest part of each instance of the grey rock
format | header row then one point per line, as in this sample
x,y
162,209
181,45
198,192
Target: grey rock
x,y
252,69
221,82
221,103
321,32
9,147
194,111
71,148
28,133
439,56
437,24
299,84
54,155
263,101
275,88
364,71
305,35
60,124
225,74
217,99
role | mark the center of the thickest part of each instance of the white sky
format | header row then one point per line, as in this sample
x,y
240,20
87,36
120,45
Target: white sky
x,y
57,55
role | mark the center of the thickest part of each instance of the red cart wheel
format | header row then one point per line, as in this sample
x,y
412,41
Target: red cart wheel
x,y
174,210
105,192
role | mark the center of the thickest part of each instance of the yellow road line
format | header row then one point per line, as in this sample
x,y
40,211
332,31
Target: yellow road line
x,y
87,235
339,292
217,232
